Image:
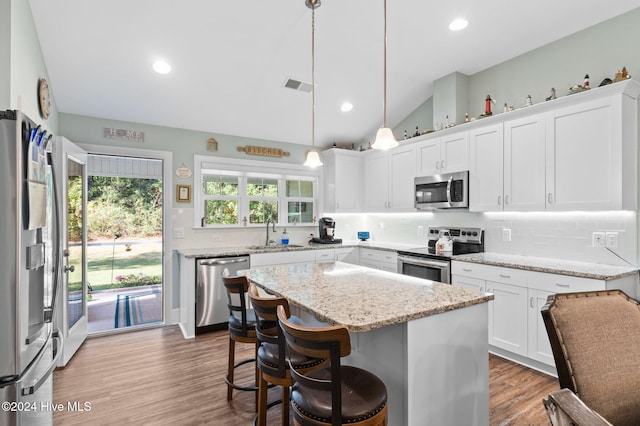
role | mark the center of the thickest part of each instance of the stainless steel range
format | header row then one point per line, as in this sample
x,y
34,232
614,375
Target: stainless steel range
x,y
433,264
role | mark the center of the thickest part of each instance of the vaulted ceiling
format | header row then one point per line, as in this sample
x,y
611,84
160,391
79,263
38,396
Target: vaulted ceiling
x,y
230,58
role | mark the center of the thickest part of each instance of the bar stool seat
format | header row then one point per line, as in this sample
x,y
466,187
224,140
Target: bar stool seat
x,y
364,395
336,394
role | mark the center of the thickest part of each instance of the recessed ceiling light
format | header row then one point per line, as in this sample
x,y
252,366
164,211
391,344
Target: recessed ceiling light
x,y
161,67
458,24
346,106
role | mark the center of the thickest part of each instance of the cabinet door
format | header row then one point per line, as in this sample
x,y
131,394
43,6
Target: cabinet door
x,y
539,347
508,321
402,173
468,282
348,255
376,175
454,152
583,157
428,157
347,184
486,168
524,164
325,255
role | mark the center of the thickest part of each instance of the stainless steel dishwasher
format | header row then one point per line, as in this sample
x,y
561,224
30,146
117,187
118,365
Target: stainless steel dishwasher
x,y
211,296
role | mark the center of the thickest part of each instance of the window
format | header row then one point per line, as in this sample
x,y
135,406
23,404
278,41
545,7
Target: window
x,y
248,193
299,197
221,199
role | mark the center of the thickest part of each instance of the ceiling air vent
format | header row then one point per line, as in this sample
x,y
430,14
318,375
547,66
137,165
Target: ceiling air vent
x,y
300,86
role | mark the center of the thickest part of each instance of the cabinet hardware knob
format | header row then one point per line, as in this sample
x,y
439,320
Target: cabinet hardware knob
x,y
499,200
549,198
505,276
442,164
563,285
437,165
531,302
506,199
466,270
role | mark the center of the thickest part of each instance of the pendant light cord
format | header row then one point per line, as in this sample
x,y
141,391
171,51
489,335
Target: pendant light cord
x,y
384,98
313,76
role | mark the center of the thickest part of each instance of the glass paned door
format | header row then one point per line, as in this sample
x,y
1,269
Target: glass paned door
x,y
74,251
71,187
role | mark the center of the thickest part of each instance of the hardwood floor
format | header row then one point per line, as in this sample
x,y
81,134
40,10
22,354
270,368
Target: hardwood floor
x,y
155,377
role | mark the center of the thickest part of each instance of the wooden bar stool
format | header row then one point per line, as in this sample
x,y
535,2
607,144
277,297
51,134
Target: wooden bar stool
x,y
242,329
333,395
272,355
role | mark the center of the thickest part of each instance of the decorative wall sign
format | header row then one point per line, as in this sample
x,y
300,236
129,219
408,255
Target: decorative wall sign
x,y
123,134
263,151
183,193
183,172
212,145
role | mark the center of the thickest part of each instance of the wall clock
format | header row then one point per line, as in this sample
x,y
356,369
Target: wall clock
x,y
44,98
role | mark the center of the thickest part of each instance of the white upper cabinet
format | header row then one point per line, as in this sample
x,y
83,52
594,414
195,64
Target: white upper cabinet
x,y
342,181
591,155
524,164
389,179
446,154
574,153
486,168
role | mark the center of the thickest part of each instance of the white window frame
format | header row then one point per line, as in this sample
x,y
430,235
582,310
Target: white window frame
x,y
253,168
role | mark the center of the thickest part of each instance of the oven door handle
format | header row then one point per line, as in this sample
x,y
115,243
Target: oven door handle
x,y
423,262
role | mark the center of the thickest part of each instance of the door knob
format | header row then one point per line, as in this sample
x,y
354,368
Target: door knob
x,y
68,268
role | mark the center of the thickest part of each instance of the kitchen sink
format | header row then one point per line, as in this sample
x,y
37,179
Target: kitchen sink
x,y
275,247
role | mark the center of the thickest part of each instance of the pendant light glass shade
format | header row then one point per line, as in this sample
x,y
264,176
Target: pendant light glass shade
x,y
313,160
384,137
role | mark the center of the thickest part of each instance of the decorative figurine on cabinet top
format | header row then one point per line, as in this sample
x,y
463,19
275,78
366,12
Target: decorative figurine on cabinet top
x,y
552,95
580,87
487,107
528,101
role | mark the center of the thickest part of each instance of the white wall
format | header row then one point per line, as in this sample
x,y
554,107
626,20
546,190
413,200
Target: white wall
x,y
561,235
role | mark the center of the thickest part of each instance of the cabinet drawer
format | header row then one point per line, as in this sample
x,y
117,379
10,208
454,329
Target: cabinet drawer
x,y
325,255
285,257
490,273
555,283
378,256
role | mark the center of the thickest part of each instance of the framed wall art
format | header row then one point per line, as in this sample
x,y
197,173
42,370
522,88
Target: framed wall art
x,y
183,193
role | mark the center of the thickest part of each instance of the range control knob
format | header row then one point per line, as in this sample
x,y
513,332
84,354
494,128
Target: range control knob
x,y
475,234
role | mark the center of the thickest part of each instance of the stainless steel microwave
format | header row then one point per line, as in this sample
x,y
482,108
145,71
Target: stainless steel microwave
x,y
445,191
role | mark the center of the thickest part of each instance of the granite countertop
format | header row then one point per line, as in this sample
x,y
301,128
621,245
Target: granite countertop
x,y
361,298
244,250
553,266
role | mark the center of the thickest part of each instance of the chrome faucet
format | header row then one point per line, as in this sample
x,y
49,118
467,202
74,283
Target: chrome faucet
x,y
268,241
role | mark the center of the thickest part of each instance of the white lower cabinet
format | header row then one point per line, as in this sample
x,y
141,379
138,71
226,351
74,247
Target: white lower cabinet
x,y
348,255
325,255
515,321
508,321
538,344
379,259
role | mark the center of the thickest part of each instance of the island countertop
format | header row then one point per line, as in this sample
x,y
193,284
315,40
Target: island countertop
x,y
361,298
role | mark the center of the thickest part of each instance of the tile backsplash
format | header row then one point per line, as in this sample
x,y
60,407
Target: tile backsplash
x,y
563,235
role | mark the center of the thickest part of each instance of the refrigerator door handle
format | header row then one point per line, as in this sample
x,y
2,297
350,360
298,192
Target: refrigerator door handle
x,y
30,389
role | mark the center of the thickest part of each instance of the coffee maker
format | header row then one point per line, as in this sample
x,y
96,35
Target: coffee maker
x,y
326,227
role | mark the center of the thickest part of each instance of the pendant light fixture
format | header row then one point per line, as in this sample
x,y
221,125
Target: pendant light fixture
x,y
384,137
313,159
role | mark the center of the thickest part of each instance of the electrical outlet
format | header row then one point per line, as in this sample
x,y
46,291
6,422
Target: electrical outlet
x,y
598,239
506,234
612,239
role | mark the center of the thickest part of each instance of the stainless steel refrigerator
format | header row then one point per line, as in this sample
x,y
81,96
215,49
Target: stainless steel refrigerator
x,y
29,259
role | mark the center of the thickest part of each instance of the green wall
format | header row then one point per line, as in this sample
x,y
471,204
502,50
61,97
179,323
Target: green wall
x,y
600,51
22,63
183,144
421,117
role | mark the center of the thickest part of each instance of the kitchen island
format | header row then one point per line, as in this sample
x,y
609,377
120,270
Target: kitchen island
x,y
426,340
